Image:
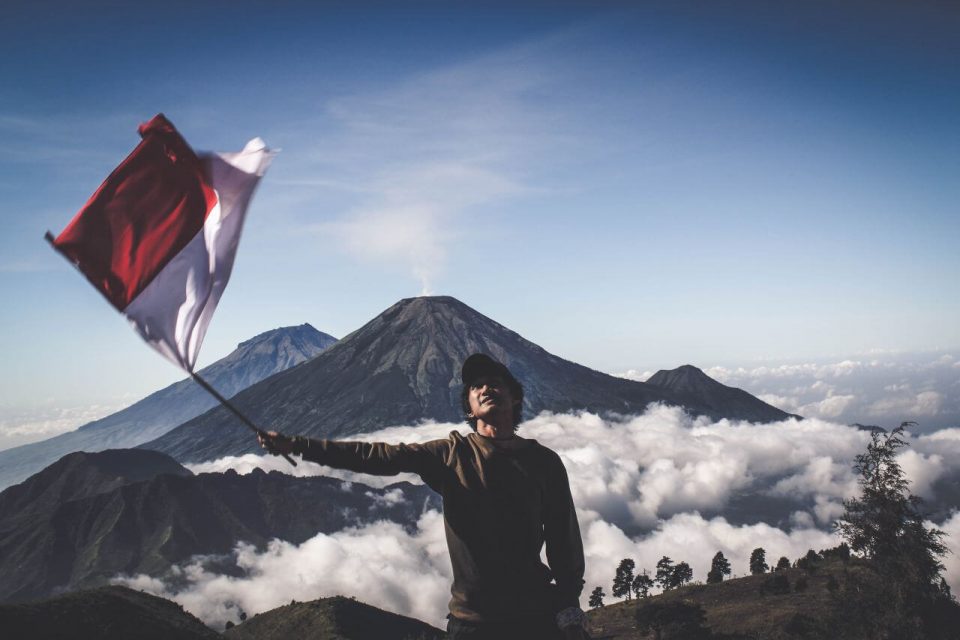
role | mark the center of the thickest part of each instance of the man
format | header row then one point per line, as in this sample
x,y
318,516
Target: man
x,y
503,497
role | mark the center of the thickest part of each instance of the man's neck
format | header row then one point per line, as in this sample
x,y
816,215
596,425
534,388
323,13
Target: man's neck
x,y
490,430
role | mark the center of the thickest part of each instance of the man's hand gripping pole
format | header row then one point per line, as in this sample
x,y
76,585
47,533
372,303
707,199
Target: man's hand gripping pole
x,y
262,435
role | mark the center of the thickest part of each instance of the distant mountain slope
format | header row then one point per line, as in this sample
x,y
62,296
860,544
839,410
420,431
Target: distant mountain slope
x,y
336,618
251,362
81,475
145,527
693,386
403,367
108,613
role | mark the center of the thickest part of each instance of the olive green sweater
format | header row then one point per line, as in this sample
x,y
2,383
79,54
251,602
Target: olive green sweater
x,y
502,500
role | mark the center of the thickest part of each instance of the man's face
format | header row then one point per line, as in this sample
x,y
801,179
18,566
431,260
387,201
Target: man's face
x,y
491,401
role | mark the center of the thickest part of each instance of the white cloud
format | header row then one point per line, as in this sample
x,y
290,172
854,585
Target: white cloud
x,y
417,160
247,463
380,563
389,499
822,476
923,470
829,407
412,222
635,375
952,560
26,425
907,404
886,389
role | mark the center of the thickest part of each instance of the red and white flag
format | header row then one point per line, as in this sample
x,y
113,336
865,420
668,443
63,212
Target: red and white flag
x,y
158,238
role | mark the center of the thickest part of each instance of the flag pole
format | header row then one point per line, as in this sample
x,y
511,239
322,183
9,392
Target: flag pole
x,y
244,419
49,237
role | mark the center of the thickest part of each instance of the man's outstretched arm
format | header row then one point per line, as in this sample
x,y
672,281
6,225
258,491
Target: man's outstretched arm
x,y
376,458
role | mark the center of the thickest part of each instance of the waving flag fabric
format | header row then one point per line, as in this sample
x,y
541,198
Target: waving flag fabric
x,y
158,238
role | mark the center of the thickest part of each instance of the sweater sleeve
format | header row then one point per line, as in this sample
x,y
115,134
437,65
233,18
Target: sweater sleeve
x,y
561,532
428,460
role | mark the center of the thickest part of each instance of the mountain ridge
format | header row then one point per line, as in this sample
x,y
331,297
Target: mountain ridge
x,y
83,537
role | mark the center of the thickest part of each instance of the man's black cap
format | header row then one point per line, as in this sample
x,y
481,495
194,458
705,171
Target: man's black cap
x,y
480,364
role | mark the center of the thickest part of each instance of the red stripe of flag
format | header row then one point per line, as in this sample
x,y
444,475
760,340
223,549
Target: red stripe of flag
x,y
143,215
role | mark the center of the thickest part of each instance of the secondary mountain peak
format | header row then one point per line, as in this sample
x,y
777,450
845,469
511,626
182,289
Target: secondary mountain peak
x,y
691,384
303,333
685,376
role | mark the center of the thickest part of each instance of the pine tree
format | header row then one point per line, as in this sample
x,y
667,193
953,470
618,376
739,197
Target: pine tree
x,y
885,526
758,561
642,584
664,576
783,563
718,568
623,580
808,562
596,598
682,574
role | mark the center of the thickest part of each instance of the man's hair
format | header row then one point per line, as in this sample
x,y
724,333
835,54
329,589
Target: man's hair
x,y
516,390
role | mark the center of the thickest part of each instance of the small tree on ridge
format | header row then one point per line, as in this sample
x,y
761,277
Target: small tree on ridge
x,y
623,580
596,598
758,561
642,584
718,568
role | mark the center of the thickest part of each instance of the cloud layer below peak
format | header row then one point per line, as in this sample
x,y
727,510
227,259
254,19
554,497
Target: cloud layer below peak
x,y
662,483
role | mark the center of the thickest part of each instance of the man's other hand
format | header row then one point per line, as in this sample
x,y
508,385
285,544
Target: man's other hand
x,y
276,443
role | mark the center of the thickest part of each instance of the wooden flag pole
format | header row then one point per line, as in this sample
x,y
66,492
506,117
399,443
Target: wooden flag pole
x,y
257,430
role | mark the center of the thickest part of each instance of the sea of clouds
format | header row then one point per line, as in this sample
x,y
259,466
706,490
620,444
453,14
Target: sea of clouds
x,y
645,486
20,425
881,388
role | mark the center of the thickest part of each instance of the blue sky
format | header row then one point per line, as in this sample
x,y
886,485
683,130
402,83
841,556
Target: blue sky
x,y
630,185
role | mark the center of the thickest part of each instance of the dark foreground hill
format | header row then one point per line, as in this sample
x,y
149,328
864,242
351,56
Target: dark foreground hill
x,y
403,367
335,618
81,535
251,362
108,613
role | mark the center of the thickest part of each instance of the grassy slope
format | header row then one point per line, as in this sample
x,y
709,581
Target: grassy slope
x,y
336,618
737,607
